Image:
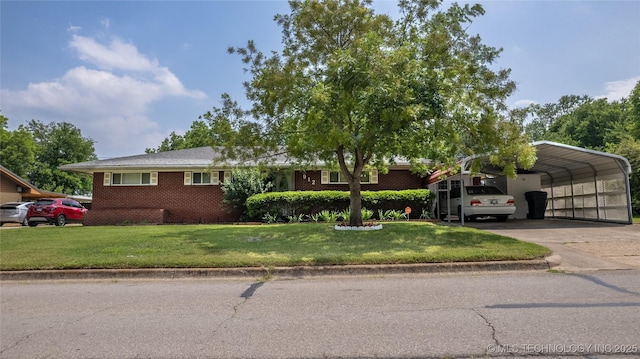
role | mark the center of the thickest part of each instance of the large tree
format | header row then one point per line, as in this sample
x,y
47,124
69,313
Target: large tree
x,y
59,143
357,89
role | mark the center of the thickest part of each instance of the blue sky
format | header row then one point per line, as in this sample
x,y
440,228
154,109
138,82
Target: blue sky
x,y
127,73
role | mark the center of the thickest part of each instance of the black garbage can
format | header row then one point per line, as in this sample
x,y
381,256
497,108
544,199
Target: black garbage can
x,y
537,201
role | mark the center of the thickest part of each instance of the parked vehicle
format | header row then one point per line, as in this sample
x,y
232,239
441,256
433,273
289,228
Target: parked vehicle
x,y
482,201
56,211
14,212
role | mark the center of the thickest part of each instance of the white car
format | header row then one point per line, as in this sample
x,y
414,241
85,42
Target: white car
x,y
14,212
482,201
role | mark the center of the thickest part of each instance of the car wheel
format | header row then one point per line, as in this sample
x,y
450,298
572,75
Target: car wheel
x,y
33,224
61,220
25,222
502,218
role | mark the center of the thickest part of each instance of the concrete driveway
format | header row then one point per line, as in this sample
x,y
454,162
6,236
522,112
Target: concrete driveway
x,y
581,245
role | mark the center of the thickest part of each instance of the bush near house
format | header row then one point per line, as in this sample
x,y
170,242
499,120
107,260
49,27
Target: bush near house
x,y
312,202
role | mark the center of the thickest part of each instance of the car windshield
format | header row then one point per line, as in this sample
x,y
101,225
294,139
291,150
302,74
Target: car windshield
x,y
45,202
483,190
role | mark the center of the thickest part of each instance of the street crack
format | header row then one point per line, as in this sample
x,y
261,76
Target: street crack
x,y
493,329
246,295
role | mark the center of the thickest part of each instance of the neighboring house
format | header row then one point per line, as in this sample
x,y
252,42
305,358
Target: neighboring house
x,y
184,186
14,188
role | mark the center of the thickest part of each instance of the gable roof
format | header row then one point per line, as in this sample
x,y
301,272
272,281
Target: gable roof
x,y
198,158
191,158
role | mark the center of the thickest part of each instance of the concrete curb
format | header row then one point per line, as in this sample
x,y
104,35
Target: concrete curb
x,y
296,272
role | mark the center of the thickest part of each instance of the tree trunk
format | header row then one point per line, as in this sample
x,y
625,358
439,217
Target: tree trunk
x,y
355,203
353,178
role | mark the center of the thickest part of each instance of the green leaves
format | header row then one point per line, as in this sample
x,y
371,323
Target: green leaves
x,y
355,88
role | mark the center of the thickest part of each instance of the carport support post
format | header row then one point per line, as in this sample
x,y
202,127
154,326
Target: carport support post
x,y
573,201
462,195
553,206
628,185
595,183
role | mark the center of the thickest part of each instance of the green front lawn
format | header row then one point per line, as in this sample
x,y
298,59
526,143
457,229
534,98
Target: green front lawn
x,y
636,220
48,247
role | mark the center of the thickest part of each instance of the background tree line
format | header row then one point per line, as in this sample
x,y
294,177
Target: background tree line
x,y
35,150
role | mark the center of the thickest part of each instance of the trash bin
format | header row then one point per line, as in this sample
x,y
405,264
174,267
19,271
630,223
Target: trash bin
x,y
537,201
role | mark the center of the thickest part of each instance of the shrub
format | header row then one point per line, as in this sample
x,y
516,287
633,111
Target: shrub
x,y
312,202
244,184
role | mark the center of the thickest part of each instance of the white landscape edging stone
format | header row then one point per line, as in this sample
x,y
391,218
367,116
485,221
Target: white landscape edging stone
x,y
358,228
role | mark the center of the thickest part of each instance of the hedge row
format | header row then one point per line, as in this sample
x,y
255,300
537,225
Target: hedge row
x,y
312,202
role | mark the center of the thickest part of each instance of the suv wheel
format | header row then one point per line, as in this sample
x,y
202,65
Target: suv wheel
x,y
33,224
61,220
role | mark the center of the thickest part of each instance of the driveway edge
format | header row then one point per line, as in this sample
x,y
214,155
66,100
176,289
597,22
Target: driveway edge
x,y
296,272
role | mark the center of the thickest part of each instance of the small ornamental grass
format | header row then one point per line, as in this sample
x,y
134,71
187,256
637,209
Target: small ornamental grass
x,y
175,246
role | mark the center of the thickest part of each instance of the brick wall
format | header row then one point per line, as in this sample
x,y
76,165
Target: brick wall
x,y
394,180
170,201
173,202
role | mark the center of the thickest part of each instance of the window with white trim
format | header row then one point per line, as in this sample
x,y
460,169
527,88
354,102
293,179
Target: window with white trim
x,y
201,178
206,178
131,179
336,177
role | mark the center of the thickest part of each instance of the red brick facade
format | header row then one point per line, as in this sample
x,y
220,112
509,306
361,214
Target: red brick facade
x,y
171,201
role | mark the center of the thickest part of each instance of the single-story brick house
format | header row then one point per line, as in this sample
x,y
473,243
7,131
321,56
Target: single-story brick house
x,y
183,186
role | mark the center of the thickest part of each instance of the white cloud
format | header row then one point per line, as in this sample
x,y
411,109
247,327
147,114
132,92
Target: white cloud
x,y
109,103
117,55
616,90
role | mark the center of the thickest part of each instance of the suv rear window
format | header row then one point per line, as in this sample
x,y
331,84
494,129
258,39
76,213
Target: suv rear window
x,y
44,202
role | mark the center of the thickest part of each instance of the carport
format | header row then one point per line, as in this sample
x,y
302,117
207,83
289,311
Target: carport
x,y
581,184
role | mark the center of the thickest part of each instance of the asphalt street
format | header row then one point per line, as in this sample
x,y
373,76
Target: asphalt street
x,y
501,314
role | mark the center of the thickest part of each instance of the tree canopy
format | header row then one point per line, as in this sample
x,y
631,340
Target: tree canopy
x,y
357,89
35,150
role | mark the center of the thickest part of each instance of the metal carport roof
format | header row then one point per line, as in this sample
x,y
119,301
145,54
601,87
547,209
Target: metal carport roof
x,y
559,164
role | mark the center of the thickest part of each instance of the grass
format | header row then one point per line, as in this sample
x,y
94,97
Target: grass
x,y
177,246
636,220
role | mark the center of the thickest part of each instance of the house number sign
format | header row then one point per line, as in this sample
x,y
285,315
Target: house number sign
x,y
312,181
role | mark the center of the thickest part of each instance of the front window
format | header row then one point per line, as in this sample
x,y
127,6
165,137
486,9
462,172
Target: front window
x,y
202,178
339,178
131,178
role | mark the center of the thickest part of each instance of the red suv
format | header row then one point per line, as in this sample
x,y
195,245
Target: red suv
x,y
56,211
